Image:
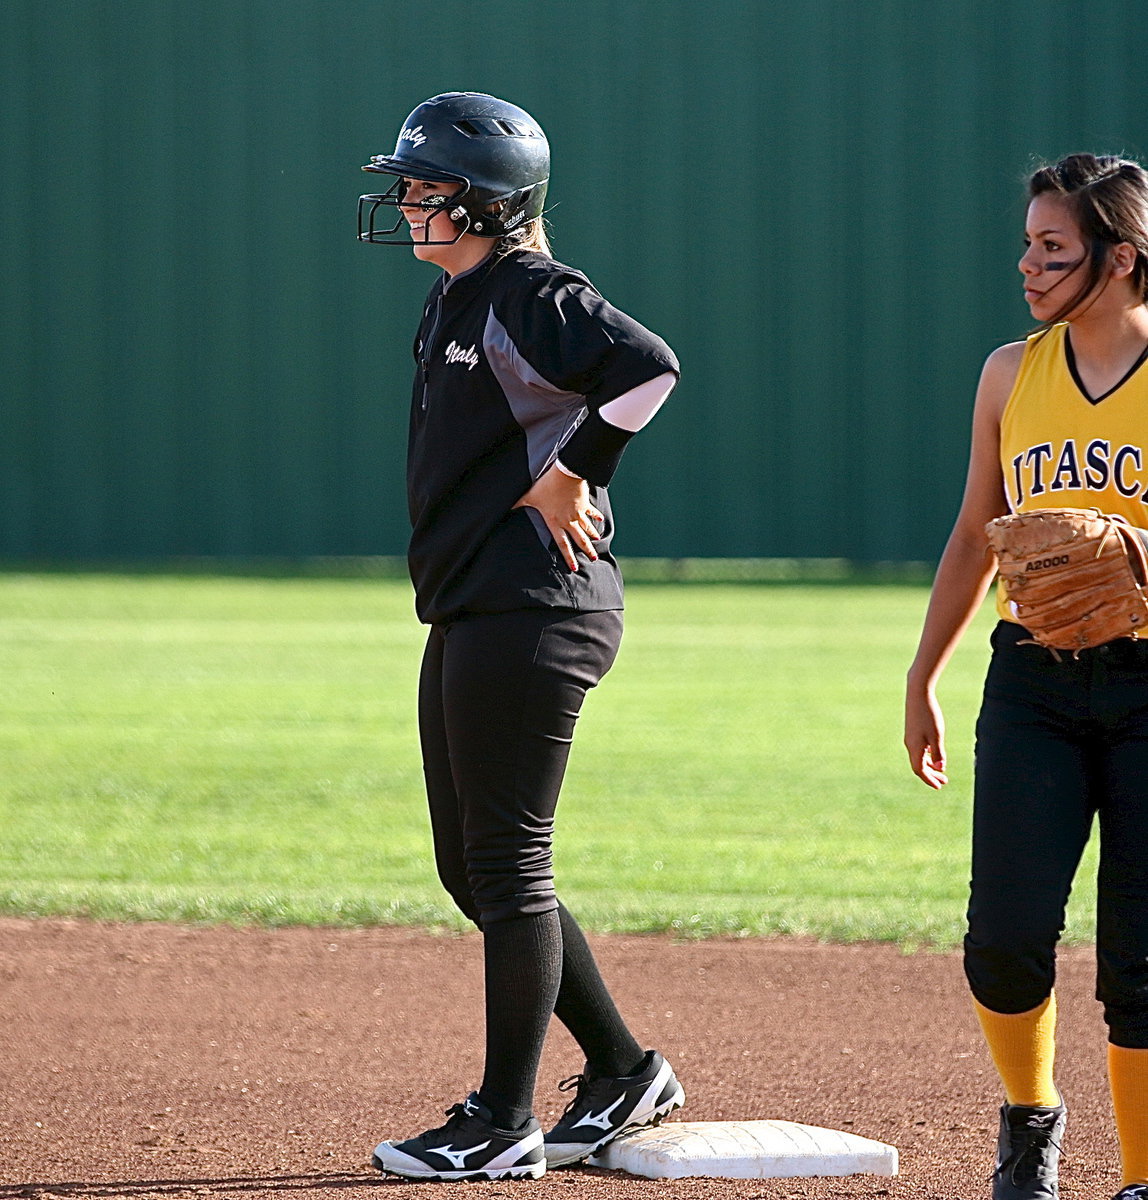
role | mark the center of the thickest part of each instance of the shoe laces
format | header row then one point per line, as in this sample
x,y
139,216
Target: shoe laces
x,y
583,1086
455,1114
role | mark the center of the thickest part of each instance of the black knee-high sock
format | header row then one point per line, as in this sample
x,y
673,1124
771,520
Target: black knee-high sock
x,y
523,964
586,1008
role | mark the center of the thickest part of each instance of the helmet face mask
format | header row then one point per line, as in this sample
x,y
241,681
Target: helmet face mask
x,y
395,235
495,150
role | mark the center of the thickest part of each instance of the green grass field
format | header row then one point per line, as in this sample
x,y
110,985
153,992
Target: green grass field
x,y
207,748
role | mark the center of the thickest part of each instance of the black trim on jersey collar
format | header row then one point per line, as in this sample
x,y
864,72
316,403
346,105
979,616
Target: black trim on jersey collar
x,y
1070,359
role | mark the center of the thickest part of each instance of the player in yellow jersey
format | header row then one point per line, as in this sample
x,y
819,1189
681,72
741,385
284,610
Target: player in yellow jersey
x,y
1060,421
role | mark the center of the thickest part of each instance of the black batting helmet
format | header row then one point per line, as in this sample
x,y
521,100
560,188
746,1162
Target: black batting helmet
x,y
494,149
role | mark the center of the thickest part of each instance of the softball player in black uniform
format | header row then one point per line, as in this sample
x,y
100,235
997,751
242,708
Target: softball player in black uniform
x,y
1061,420
528,386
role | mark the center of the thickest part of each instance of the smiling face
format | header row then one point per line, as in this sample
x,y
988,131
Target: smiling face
x,y
1056,257
434,234
429,225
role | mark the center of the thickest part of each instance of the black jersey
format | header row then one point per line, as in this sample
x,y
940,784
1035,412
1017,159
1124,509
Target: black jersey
x,y
514,360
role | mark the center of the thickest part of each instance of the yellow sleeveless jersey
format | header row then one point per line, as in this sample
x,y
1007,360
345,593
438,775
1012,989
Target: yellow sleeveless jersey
x,y
1060,449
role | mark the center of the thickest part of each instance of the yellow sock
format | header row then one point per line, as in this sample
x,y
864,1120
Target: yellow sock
x,y
1023,1046
1128,1079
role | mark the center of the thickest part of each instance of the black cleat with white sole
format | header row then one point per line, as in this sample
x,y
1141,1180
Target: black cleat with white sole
x,y
468,1146
605,1106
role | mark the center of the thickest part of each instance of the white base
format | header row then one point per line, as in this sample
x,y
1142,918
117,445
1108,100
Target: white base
x,y
744,1150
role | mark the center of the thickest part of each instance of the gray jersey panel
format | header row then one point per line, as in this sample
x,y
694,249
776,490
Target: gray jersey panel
x,y
547,415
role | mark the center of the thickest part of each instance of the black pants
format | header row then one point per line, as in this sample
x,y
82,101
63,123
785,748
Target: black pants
x,y
499,695
1057,743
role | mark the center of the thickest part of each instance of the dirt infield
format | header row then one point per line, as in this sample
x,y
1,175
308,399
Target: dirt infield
x,y
156,1061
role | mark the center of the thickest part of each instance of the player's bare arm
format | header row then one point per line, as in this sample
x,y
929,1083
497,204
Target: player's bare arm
x,y
965,571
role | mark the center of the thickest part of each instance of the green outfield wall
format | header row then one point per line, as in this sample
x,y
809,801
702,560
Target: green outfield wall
x,y
817,204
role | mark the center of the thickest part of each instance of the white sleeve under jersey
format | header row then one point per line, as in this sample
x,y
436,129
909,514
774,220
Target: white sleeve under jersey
x,y
633,410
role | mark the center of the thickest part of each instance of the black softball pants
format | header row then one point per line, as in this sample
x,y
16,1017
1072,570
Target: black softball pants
x,y
1059,742
499,696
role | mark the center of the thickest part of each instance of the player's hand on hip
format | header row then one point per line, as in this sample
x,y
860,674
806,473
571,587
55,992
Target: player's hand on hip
x,y
925,738
563,502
